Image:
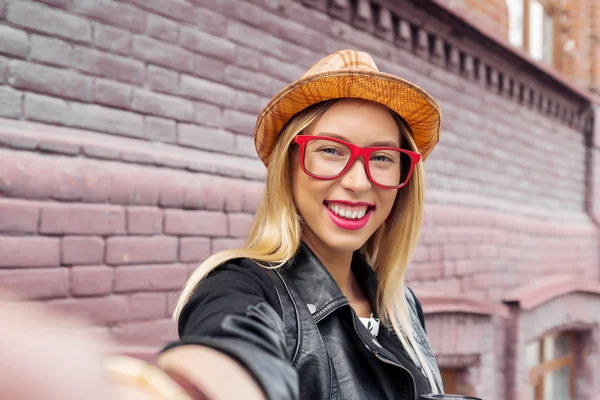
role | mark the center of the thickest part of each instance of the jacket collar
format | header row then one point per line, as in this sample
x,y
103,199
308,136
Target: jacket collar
x,y
317,287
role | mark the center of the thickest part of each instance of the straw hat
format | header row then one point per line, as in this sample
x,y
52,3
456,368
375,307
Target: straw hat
x,y
350,74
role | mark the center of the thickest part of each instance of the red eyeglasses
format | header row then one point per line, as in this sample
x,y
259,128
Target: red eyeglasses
x,y
324,157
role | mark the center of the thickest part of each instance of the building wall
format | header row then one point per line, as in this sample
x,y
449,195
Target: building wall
x,y
492,13
595,67
126,149
579,55
577,29
573,311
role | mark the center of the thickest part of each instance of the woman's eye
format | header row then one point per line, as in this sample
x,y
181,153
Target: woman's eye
x,y
329,150
381,158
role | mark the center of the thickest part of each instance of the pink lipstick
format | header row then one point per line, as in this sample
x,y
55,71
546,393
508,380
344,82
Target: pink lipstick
x,y
350,224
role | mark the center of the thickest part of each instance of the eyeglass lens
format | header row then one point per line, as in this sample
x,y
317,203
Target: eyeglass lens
x,y
327,158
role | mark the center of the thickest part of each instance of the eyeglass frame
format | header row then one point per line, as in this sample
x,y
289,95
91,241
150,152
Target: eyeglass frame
x,y
355,152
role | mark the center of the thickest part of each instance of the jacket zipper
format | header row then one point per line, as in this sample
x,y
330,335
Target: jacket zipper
x,y
387,361
377,355
412,378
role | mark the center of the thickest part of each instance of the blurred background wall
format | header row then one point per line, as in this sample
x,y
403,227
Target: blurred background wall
x,y
126,156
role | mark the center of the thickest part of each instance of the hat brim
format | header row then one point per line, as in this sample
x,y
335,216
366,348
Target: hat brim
x,y
417,107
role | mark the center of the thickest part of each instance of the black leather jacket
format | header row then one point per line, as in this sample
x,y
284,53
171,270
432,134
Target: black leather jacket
x,y
295,331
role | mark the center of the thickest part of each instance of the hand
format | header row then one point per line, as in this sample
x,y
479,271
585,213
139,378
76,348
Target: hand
x,y
128,393
50,356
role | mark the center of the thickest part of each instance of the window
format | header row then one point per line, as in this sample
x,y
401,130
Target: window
x,y
456,382
449,379
515,22
551,364
532,26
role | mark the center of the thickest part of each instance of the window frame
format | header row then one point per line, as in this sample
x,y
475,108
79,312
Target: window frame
x,y
545,367
449,378
551,8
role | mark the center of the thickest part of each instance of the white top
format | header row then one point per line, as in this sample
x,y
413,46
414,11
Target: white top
x,y
372,324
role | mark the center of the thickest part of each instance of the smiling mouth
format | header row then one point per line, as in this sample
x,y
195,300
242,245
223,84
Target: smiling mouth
x,y
348,212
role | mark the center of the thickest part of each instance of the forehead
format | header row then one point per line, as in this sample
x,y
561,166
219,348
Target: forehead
x,y
360,122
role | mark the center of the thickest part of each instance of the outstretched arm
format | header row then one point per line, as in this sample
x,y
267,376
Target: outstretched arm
x,y
232,338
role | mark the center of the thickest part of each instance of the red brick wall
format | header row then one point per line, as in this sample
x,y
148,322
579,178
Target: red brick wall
x,y
578,32
492,13
126,153
595,51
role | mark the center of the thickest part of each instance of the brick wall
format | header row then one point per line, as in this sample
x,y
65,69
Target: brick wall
x,y
126,153
491,13
595,51
465,341
577,30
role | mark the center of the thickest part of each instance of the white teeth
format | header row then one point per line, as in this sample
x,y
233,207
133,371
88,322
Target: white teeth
x,y
348,212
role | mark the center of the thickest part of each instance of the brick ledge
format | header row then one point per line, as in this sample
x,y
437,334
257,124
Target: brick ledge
x,y
438,303
30,136
543,290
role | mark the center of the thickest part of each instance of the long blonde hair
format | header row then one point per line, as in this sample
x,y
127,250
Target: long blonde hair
x,y
276,232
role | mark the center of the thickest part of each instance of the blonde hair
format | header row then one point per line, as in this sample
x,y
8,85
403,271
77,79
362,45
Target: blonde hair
x,y
276,232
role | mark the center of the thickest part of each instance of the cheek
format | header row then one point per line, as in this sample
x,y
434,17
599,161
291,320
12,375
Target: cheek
x,y
386,200
308,193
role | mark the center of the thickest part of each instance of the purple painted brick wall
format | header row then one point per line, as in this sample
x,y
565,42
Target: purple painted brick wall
x,y
126,153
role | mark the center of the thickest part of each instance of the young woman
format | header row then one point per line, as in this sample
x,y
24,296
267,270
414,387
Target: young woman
x,y
315,305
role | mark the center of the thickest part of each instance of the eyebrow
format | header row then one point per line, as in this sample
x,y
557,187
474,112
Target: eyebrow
x,y
384,143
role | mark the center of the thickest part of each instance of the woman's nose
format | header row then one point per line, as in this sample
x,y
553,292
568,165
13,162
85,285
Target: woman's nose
x,y
356,178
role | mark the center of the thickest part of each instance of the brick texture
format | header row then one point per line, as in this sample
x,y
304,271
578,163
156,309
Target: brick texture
x,y
45,109
202,223
91,280
52,81
112,93
82,219
29,251
147,278
112,38
82,250
10,102
193,249
19,216
42,283
112,12
108,65
47,20
13,42
135,250
144,220
51,51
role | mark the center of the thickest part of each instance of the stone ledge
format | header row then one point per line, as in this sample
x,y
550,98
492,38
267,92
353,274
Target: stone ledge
x,y
543,290
21,135
438,303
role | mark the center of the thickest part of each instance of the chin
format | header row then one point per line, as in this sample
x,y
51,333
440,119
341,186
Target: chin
x,y
343,243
